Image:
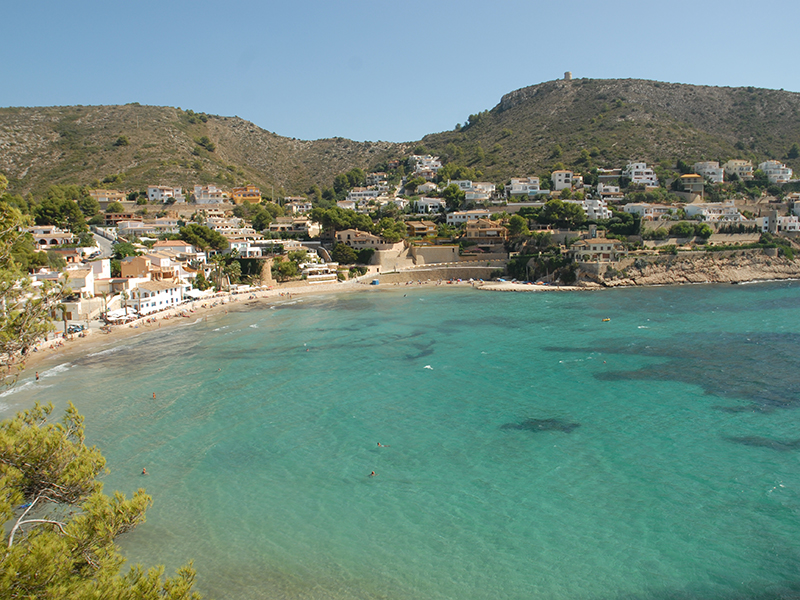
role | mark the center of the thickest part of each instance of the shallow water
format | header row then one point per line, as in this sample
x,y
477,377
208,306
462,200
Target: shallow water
x,y
533,449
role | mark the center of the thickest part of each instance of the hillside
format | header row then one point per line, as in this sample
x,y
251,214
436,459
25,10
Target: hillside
x,y
620,120
580,123
132,146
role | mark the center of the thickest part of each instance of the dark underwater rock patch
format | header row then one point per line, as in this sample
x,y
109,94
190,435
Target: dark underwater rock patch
x,y
536,425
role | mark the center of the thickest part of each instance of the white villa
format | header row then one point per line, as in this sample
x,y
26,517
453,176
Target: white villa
x,y
562,180
524,186
714,211
150,296
710,170
162,193
459,217
775,223
640,174
50,236
776,171
649,212
209,194
424,206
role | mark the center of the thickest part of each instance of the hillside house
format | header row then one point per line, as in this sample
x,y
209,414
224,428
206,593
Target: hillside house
x,y
421,228
776,171
693,183
248,193
609,176
209,194
298,205
425,206
376,178
464,216
426,166
50,236
594,208
710,170
108,196
598,249
714,211
774,223
358,240
165,193
358,194
524,186
743,169
485,232
562,180
640,174
609,192
648,212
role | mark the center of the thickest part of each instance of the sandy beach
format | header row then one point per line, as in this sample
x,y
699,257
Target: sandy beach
x,y
52,352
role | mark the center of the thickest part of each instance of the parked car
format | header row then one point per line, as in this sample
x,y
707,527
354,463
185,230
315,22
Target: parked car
x,y
75,328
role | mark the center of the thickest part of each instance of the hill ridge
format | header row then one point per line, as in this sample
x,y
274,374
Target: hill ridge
x,y
527,132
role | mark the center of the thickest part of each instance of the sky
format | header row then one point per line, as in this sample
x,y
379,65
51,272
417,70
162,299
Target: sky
x,y
375,70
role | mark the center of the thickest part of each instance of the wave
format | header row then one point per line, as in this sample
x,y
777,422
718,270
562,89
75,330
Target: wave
x,y
254,326
195,322
22,387
104,352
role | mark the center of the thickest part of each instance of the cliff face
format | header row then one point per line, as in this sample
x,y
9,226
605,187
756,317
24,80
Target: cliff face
x,y
706,268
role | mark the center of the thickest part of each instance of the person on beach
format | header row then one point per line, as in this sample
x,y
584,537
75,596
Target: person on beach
x,y
37,375
154,395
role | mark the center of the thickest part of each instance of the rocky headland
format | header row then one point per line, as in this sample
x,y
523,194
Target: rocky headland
x,y
696,267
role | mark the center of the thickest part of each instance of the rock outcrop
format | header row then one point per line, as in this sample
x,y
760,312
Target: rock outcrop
x,y
752,265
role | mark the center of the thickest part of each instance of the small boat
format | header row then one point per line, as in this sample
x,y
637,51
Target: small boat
x,y
606,319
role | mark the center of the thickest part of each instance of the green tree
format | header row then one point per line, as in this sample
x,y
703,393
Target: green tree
x,y
200,281
453,196
60,210
206,143
682,229
115,207
124,249
794,152
284,270
518,226
89,206
203,237
412,184
703,230
122,141
344,254
62,545
24,309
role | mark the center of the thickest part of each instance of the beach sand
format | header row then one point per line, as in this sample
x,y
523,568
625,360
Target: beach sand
x,y
51,353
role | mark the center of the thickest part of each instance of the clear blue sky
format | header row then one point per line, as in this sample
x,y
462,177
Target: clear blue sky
x,y
375,70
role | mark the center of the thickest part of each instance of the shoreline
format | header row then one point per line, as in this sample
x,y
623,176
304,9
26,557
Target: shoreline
x,y
50,353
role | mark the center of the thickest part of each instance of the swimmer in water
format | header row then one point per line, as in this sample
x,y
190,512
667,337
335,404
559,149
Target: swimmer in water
x,y
144,471
373,474
382,445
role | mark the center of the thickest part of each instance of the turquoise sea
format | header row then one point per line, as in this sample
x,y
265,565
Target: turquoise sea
x,y
533,450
